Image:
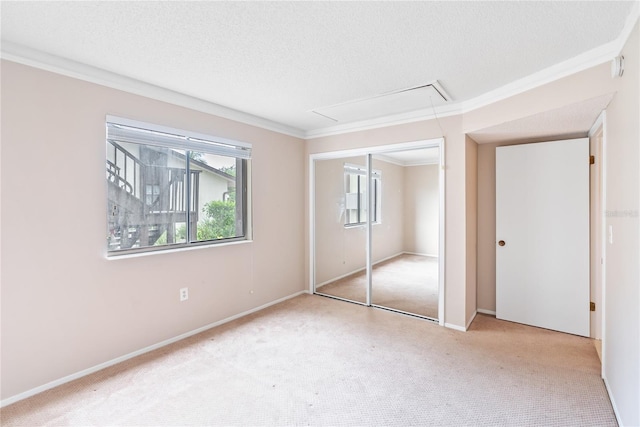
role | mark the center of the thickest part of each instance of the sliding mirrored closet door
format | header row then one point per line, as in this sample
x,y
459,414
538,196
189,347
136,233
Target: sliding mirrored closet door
x,y
405,231
377,227
341,214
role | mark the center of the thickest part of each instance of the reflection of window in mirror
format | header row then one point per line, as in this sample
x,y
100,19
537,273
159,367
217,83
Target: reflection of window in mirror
x,y
356,209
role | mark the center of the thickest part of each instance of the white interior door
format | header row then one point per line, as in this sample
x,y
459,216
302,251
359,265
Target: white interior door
x,y
542,242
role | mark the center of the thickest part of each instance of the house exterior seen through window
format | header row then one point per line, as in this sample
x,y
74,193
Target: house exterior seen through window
x,y
167,189
356,208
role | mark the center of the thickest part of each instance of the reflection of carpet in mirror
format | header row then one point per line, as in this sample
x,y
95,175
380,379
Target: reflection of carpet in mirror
x,y
406,282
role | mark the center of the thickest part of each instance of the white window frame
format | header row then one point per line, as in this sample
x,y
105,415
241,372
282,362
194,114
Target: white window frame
x,y
360,200
148,134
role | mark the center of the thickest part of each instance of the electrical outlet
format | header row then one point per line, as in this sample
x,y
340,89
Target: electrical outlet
x,y
184,294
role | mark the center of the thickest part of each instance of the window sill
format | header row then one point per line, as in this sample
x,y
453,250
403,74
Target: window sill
x,y
362,225
196,247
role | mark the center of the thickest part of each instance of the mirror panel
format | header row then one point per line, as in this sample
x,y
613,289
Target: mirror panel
x,y
340,228
406,237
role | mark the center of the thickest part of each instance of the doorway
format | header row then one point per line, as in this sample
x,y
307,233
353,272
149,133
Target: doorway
x,y
597,231
377,227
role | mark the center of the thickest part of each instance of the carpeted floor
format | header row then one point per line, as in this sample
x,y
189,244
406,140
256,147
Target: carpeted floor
x,y
407,283
318,361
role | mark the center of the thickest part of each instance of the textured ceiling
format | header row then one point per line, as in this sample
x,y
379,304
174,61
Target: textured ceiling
x,y
281,60
571,121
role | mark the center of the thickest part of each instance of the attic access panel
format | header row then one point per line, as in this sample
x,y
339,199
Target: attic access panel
x,y
386,104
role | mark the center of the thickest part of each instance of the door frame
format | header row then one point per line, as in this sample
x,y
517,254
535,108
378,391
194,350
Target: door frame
x,y
367,151
600,126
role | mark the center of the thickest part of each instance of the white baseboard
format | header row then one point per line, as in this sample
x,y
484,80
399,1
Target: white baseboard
x,y
461,328
456,327
120,359
342,276
483,311
475,313
387,258
419,254
613,402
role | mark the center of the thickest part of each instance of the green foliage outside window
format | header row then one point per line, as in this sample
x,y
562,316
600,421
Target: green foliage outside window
x,y
219,221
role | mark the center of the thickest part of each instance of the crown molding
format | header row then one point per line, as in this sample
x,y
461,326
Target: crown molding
x,y
397,162
56,64
386,121
589,59
566,68
629,24
59,65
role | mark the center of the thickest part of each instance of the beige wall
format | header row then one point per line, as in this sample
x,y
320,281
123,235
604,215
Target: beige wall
x,y
387,237
622,294
65,307
421,209
486,277
471,206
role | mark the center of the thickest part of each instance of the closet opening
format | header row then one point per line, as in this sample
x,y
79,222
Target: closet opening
x,y
377,227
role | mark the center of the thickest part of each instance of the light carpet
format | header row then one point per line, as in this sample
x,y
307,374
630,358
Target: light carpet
x,y
318,361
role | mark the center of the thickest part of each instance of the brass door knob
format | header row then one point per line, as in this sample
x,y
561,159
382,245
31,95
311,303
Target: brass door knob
x,y
501,243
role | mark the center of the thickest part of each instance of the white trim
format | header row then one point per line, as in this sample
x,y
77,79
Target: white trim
x,y
442,231
382,122
175,131
603,239
116,256
420,254
311,179
403,163
401,146
455,327
596,125
600,126
66,67
611,399
342,276
369,235
136,353
475,313
555,72
38,59
489,312
629,24
361,170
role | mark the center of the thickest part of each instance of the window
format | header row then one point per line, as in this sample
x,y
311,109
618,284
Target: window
x,y
169,188
356,195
